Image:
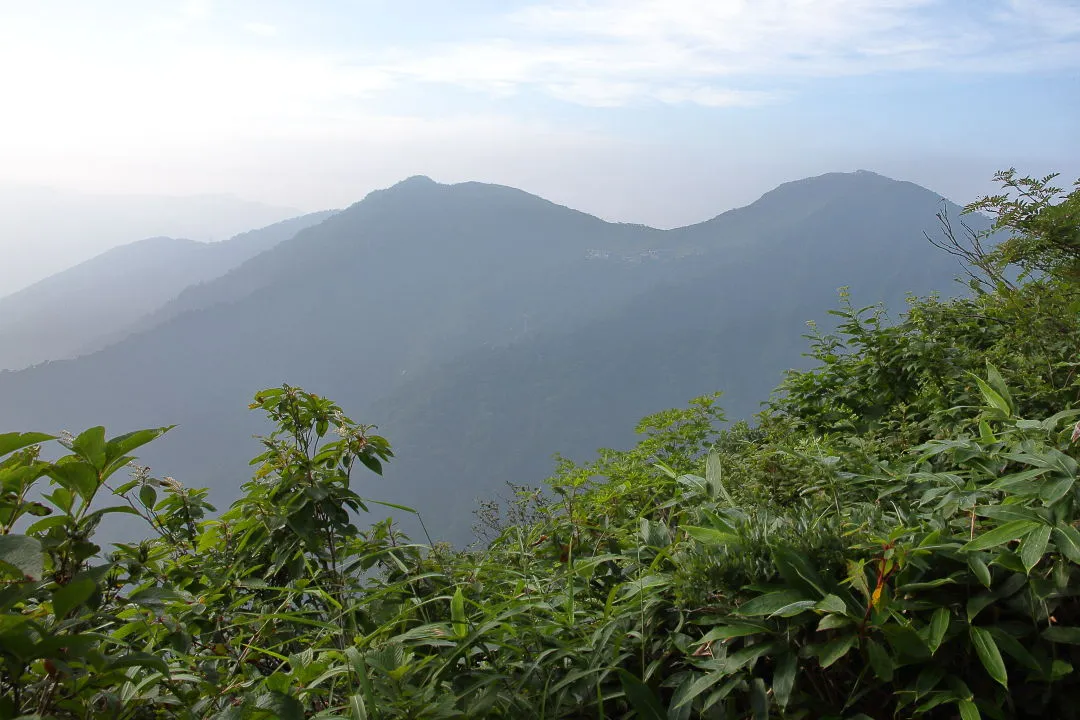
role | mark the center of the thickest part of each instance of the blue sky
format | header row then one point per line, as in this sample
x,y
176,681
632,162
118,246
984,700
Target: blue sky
x,y
657,111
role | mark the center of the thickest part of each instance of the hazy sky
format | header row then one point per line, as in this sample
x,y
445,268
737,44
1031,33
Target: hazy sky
x,y
657,111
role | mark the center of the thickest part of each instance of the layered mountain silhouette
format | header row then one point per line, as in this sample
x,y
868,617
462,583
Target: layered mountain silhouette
x,y
57,229
484,329
95,303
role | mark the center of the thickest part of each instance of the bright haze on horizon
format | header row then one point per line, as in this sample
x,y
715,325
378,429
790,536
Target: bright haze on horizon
x,y
663,112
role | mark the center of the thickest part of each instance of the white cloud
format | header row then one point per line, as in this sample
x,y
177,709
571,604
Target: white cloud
x,y
261,29
740,52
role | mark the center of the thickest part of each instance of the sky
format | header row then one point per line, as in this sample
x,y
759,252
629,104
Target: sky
x,y
664,112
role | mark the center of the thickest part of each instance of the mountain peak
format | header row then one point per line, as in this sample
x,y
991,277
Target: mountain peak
x,y
416,181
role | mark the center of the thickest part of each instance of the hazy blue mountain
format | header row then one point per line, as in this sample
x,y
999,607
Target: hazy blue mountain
x,y
732,319
95,303
484,329
58,229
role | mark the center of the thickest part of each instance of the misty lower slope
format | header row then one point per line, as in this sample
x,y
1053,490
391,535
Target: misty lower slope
x,y
484,329
95,303
57,229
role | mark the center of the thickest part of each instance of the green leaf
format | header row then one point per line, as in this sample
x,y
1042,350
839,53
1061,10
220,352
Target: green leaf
x,y
831,604
640,697
1061,634
1034,546
795,608
23,554
72,595
457,614
12,441
832,622
784,678
1054,489
121,445
1067,539
698,686
357,709
979,569
1012,647
154,596
968,710
988,653
992,397
759,699
710,536
880,660
1000,535
835,649
140,659
281,705
725,632
148,496
75,475
90,446
993,377
770,603
939,624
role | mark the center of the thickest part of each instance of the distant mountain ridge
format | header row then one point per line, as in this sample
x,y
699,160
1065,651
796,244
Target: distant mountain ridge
x,y
58,229
91,305
479,328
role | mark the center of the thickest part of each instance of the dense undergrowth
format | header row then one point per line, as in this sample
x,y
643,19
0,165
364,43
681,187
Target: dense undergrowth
x,y
895,537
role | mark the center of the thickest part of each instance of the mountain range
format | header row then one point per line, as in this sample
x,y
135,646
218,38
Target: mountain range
x,y
480,327
57,229
86,307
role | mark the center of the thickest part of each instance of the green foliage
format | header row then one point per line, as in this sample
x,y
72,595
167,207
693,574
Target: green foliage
x,y
896,537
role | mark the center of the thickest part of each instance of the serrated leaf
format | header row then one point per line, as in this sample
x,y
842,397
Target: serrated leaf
x,y
989,656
